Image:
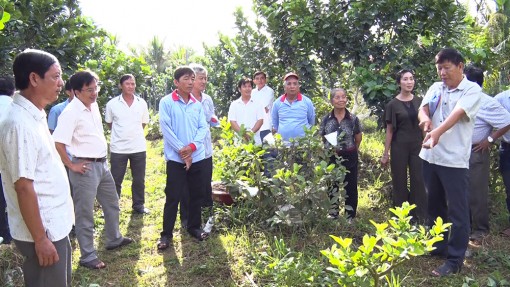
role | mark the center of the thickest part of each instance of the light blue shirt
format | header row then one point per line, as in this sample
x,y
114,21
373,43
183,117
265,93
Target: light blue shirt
x,y
290,119
491,115
55,112
182,124
504,99
210,117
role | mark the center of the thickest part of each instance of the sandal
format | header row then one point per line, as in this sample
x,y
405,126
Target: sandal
x,y
199,234
445,270
125,241
94,264
163,243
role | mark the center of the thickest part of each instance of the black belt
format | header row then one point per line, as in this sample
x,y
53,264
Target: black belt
x,y
102,159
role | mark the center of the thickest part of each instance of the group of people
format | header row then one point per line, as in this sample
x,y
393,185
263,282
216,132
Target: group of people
x,y
442,141
54,170
43,160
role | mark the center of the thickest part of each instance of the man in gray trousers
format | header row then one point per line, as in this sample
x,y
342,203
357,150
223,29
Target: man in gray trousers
x,y
80,128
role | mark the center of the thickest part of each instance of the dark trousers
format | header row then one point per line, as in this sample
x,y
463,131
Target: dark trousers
x,y
404,157
137,162
479,168
56,275
263,134
351,183
207,198
504,168
5,233
178,182
447,191
208,170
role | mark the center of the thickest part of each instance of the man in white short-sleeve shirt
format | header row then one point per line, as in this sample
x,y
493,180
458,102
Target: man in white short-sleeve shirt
x,y
127,115
80,129
35,182
447,115
245,112
264,96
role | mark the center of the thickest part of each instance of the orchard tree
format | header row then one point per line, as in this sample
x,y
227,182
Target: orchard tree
x,y
110,64
361,44
249,51
56,26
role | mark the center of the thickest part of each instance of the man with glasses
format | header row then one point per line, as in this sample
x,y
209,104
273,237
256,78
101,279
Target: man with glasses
x,y
293,111
80,128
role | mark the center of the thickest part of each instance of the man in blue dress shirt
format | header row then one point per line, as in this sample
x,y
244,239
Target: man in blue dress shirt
x,y
57,109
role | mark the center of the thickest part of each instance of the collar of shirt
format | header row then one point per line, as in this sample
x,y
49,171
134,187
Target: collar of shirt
x,y
240,101
121,98
263,88
347,114
76,101
176,97
462,85
299,97
29,107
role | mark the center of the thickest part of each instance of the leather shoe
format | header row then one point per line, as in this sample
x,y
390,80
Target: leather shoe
x,y
142,210
125,241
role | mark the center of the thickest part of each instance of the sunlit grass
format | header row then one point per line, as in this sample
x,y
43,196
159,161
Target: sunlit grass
x,y
233,256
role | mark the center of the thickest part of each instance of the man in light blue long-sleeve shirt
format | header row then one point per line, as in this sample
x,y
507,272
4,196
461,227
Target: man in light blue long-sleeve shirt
x,y
292,112
184,128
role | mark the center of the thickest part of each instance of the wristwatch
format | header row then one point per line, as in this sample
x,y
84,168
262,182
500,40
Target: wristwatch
x,y
490,139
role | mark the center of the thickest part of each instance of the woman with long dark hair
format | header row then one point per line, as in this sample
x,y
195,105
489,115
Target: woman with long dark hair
x,y
403,142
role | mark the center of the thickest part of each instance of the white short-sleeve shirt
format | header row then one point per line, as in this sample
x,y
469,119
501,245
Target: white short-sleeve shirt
x,y
27,150
127,124
265,98
246,114
81,130
454,147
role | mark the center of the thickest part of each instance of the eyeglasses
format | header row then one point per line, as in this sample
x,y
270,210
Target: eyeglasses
x,y
92,90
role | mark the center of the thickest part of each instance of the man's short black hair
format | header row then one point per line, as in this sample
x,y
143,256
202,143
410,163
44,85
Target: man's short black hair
x,y
243,81
67,86
449,55
31,61
259,73
125,78
7,86
83,78
474,74
183,71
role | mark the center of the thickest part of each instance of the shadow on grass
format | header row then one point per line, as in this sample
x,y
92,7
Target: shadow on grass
x,y
198,264
121,263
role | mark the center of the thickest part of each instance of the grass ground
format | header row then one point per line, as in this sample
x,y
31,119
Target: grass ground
x,y
246,255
